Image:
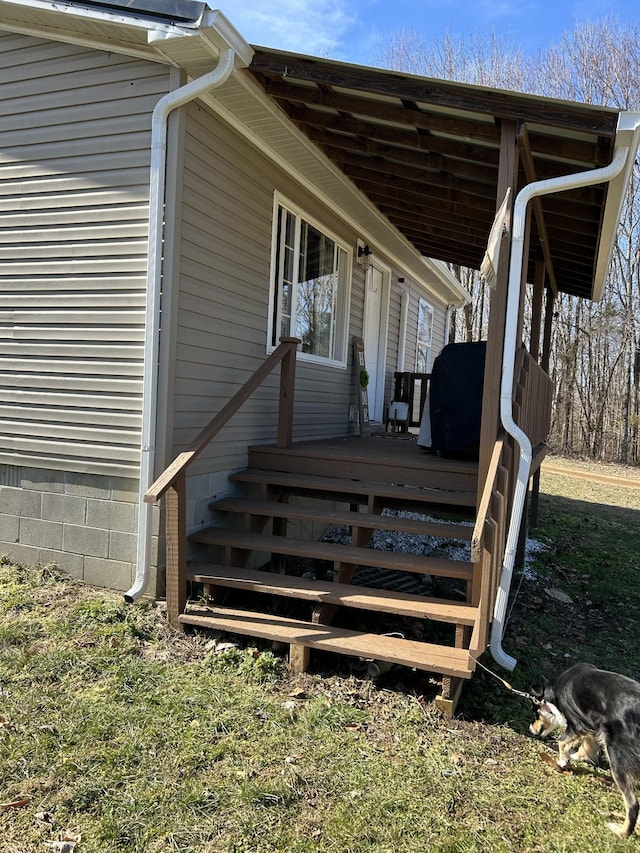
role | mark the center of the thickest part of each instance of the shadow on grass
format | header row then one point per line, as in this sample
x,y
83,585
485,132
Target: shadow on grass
x,y
592,556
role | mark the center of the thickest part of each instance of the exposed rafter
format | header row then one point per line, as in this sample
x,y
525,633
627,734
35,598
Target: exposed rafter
x,y
426,153
526,157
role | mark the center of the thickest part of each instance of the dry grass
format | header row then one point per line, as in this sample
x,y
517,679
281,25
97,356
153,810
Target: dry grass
x,y
124,736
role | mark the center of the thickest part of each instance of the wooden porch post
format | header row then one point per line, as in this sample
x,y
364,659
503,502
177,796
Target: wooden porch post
x,y
544,362
287,389
507,177
531,518
548,322
176,550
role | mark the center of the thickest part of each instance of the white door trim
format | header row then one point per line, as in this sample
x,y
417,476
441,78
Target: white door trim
x,y
376,365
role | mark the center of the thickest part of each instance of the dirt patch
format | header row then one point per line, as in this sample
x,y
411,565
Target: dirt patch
x,y
597,472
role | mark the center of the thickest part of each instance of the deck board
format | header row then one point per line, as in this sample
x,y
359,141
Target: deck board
x,y
381,457
349,554
383,448
425,656
372,521
347,595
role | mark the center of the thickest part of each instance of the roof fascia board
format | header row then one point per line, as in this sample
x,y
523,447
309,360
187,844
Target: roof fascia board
x,y
627,136
67,13
215,30
405,257
85,41
92,12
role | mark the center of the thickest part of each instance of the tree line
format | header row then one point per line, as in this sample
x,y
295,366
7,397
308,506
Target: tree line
x,y
595,347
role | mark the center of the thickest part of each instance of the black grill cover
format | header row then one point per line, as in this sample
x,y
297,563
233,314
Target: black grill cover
x,y
455,399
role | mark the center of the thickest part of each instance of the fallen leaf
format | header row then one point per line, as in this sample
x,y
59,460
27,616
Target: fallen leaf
x,y
67,842
559,595
551,760
298,694
75,837
16,804
225,647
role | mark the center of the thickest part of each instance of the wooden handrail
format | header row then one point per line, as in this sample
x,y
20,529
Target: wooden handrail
x,y
485,500
532,405
532,394
284,353
486,551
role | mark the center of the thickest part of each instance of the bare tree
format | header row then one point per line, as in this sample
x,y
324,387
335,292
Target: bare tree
x,y
595,359
483,60
479,60
598,63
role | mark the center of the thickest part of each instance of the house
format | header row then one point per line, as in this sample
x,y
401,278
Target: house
x,y
195,231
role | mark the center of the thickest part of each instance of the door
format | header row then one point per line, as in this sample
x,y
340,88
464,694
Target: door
x,y
376,303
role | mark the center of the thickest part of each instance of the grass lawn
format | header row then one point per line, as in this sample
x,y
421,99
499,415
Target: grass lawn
x,y
118,735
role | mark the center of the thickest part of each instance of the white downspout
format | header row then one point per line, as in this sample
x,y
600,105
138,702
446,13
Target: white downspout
x,y
159,123
453,306
538,188
402,342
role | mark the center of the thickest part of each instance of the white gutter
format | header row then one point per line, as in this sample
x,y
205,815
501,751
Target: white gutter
x,y
624,154
159,123
457,290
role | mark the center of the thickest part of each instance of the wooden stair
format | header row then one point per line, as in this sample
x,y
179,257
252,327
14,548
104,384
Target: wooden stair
x,y
426,656
347,595
390,494
255,530
341,554
372,521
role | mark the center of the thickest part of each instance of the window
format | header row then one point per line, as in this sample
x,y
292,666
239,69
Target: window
x,y
425,331
310,287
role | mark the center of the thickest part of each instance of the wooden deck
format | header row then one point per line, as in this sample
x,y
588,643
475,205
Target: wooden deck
x,y
391,458
384,448
349,482
248,561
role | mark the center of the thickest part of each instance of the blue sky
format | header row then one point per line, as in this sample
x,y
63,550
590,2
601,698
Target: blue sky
x,y
354,30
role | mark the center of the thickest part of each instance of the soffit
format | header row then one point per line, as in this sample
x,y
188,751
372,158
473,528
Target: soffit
x,y
426,153
123,28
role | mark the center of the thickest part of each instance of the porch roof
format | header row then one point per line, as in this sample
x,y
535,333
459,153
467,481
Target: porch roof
x,y
426,153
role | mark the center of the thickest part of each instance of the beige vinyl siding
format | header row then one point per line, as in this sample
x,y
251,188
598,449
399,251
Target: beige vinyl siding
x,y
227,191
74,184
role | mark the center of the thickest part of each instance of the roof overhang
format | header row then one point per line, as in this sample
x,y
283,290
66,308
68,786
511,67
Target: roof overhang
x,y
427,153
627,138
184,33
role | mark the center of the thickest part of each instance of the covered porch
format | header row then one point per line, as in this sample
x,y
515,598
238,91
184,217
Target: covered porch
x,y
528,189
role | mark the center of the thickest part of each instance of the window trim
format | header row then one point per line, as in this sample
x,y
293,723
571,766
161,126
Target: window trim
x,y
341,327
423,304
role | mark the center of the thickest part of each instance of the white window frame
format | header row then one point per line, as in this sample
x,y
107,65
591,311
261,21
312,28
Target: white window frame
x,y
343,260
424,336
